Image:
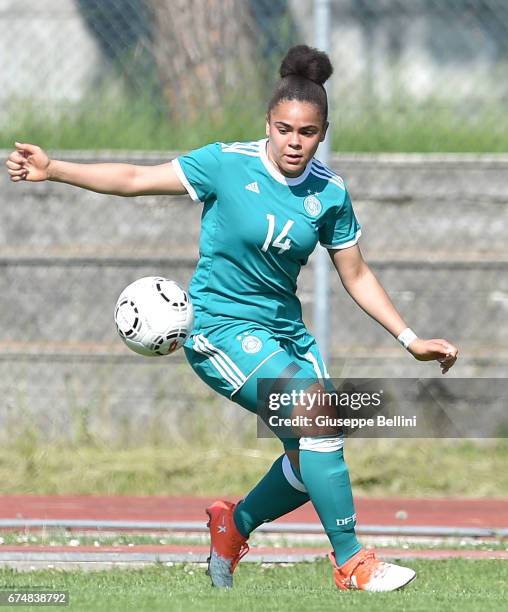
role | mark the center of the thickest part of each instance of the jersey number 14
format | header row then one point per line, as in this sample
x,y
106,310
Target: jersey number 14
x,y
279,242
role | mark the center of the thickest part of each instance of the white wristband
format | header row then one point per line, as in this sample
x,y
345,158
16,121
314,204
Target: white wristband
x,y
406,337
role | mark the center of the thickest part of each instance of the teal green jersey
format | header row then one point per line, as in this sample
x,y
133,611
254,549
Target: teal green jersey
x,y
258,229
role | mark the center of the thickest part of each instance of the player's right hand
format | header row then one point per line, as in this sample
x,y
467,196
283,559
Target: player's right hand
x,y
28,163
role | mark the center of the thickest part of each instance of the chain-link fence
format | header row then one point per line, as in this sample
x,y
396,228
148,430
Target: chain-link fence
x,y
434,228
149,73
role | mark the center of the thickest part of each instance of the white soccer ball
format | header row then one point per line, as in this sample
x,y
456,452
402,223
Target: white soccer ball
x,y
154,316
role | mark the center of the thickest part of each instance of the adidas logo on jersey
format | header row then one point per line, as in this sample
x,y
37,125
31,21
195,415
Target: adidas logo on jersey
x,y
253,187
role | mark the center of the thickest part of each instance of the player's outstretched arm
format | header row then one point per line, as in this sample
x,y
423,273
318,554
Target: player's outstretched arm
x,y
30,163
362,285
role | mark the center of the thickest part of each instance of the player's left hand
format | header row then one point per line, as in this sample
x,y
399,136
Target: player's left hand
x,y
437,349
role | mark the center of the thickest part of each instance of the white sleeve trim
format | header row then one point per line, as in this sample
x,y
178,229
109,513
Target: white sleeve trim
x,y
344,245
181,175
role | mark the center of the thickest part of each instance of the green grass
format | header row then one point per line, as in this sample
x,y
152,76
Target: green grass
x,y
440,586
106,122
377,468
136,125
428,128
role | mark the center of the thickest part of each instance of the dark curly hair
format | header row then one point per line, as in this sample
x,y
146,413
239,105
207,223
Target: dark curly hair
x,y
303,73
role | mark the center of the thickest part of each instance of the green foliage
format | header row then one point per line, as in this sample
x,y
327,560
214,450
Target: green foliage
x,y
105,122
433,127
113,122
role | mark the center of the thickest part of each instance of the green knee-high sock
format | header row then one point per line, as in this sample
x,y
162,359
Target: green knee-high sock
x,y
274,495
326,479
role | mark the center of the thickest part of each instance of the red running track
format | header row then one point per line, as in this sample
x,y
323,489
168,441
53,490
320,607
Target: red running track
x,y
486,513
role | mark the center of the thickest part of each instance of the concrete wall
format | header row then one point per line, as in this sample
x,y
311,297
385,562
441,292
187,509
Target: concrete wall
x,y
47,52
434,232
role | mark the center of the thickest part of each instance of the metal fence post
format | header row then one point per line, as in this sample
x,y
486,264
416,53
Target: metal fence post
x,y
321,278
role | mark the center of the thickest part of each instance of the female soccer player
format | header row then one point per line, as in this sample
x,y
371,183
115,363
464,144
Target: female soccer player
x,y
266,204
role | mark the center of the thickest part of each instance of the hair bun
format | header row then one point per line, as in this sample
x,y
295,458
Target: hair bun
x,y
307,62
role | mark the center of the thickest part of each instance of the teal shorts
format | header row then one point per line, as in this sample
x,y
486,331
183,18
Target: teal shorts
x,y
231,358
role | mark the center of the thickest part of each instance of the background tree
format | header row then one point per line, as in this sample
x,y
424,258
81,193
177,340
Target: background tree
x,y
192,57
204,51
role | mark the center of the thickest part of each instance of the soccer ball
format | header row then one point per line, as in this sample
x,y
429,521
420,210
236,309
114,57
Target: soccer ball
x,y
154,316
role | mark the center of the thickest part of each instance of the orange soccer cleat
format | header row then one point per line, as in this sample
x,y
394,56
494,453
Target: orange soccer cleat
x,y
227,544
367,573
